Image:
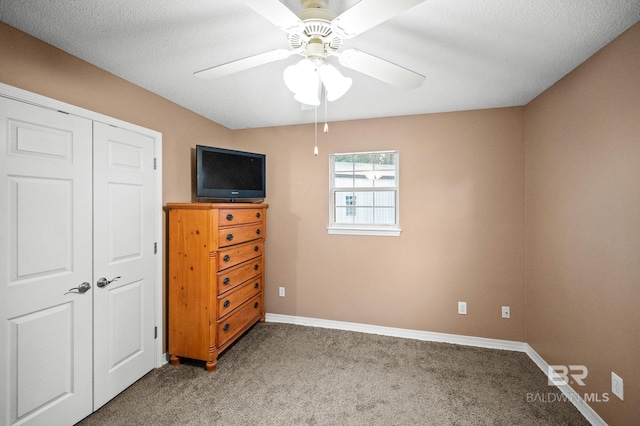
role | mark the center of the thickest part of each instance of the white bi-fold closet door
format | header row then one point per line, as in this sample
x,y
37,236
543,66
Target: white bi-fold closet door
x,y
78,263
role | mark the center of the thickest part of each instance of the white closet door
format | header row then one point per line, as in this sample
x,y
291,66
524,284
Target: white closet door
x,y
45,246
123,257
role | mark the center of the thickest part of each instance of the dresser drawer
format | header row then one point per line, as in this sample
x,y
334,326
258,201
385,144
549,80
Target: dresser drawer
x,y
233,277
230,217
237,254
231,300
246,314
239,234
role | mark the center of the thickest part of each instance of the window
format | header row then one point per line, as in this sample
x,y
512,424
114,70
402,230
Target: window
x,y
364,193
350,202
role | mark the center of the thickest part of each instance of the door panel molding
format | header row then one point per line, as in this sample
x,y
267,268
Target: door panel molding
x,y
123,247
27,272
45,229
18,94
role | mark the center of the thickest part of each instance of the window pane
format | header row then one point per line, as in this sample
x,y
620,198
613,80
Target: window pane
x,y
385,178
343,172
340,198
385,198
355,182
364,160
385,170
363,199
344,158
386,182
386,216
361,180
387,158
364,215
343,215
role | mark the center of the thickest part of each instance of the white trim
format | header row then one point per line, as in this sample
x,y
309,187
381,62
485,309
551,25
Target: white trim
x,y
164,359
380,232
49,103
159,240
457,339
572,396
430,336
42,101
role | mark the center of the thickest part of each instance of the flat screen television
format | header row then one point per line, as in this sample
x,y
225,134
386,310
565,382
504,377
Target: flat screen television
x,y
230,176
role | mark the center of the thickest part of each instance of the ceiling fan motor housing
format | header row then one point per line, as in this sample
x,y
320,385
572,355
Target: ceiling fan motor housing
x,y
316,39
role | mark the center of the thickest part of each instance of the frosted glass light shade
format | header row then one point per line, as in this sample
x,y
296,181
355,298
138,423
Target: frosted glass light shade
x,y
295,76
335,83
308,91
292,77
302,79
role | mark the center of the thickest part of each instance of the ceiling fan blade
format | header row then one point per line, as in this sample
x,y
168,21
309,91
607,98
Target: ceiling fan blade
x,y
276,13
243,64
367,14
380,69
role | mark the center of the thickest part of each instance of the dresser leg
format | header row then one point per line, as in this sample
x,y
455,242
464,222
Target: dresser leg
x,y
175,361
211,366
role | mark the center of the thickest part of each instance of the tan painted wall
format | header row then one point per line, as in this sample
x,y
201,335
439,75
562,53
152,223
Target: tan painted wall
x,y
30,64
461,212
462,209
583,223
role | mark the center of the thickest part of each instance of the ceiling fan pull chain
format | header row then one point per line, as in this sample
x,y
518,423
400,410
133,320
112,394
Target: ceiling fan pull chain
x,y
326,119
315,148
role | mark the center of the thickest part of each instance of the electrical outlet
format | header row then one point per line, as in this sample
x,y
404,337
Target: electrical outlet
x,y
617,385
506,312
462,308
281,292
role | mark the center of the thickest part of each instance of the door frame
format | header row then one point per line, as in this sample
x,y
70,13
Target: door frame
x,y
45,102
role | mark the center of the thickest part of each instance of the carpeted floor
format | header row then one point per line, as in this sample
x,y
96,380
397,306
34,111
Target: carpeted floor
x,y
281,374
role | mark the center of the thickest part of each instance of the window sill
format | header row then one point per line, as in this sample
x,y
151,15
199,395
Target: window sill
x,y
352,230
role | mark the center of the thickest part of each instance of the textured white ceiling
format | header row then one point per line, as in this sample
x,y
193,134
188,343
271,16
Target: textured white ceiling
x,y
475,54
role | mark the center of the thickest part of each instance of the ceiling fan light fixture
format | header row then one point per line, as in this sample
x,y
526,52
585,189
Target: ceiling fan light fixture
x,y
296,76
292,77
335,83
307,98
303,80
308,89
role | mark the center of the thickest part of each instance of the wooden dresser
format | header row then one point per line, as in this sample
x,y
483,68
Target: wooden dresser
x,y
216,276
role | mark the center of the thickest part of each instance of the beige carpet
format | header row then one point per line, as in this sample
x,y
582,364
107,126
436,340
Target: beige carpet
x,y
280,374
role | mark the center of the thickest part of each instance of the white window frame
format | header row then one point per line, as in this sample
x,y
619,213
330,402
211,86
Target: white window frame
x,y
387,230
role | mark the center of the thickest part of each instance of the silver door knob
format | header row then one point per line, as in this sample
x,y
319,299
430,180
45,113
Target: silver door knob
x,y
103,282
82,288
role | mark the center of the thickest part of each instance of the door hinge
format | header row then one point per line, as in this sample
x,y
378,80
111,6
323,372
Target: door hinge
x,y
155,248
155,163
155,332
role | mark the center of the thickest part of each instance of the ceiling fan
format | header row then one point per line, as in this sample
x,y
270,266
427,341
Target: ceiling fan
x,y
316,33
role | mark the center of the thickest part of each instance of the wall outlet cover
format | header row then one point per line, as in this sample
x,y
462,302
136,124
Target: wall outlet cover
x,y
617,385
462,308
506,312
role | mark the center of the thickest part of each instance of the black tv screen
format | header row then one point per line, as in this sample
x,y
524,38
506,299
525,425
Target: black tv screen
x,y
229,175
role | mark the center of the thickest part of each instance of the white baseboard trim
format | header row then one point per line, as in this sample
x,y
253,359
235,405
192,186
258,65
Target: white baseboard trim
x,y
482,342
571,395
164,359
